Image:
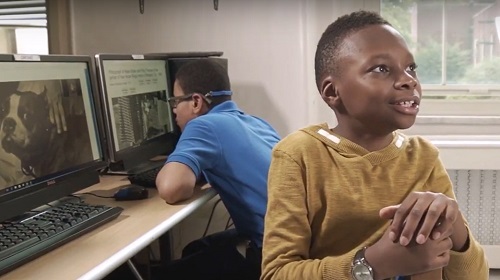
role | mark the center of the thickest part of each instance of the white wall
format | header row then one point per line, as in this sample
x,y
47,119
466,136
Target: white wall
x,y
270,45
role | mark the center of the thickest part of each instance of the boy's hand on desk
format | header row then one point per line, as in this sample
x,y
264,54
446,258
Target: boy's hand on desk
x,y
420,216
390,259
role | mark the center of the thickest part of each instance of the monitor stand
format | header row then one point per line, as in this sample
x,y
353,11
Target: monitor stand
x,y
117,168
154,162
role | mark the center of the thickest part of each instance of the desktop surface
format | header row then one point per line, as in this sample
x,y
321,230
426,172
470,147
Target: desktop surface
x,y
100,251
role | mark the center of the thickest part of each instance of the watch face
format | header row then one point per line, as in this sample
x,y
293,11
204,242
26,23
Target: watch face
x,y
362,272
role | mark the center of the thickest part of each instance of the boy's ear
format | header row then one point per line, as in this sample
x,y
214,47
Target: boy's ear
x,y
199,106
328,91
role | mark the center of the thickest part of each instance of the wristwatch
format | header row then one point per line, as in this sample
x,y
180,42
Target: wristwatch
x,y
360,269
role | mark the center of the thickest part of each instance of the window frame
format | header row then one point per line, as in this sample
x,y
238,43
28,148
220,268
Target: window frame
x,y
464,105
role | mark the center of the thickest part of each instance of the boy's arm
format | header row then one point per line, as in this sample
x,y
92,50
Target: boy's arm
x,y
175,182
471,264
287,232
467,259
468,262
197,149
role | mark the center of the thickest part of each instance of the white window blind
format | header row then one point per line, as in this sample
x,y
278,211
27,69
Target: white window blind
x,y
23,27
23,13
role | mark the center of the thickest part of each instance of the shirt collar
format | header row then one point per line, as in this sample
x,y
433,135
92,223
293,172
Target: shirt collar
x,y
226,106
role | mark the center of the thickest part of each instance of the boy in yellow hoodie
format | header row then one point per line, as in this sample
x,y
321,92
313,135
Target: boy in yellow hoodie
x,y
361,200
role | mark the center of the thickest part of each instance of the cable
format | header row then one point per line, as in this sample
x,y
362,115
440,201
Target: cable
x,y
76,196
103,171
101,196
211,216
152,255
229,224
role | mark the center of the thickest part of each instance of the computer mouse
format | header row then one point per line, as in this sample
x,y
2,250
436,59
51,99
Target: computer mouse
x,y
131,192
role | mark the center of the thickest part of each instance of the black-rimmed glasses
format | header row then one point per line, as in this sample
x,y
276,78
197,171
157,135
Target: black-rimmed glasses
x,y
174,101
207,97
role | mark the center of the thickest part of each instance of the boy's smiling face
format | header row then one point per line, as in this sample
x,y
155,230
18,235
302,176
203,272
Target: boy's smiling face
x,y
376,90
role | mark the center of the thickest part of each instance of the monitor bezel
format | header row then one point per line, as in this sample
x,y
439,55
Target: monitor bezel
x,y
85,175
190,54
133,159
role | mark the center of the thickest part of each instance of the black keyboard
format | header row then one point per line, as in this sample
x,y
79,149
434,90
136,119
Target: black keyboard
x,y
146,178
36,233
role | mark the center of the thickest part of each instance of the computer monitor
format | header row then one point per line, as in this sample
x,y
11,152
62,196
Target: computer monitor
x,y
38,164
190,54
138,120
177,59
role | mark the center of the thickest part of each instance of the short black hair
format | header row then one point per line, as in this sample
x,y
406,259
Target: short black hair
x,y
202,76
329,45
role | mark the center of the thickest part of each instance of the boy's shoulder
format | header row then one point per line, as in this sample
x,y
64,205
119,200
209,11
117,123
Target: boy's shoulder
x,y
419,141
421,144
301,138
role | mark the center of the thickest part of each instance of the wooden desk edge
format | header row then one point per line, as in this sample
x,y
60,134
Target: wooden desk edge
x,y
133,248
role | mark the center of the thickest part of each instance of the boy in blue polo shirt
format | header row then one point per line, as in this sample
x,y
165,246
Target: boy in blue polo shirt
x,y
233,152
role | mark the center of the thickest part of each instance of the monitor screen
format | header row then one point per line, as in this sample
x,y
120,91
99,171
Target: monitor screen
x,y
49,130
139,122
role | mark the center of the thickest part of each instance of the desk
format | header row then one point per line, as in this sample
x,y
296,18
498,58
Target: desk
x,y
99,252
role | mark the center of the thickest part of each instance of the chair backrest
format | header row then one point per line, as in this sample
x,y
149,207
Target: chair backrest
x,y
430,275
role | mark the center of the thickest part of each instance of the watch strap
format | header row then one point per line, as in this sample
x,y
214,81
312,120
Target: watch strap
x,y
360,260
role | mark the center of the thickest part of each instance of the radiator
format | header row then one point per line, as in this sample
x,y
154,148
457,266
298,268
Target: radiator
x,y
478,196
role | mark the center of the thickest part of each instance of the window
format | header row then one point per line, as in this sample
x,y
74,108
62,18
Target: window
x,y
456,44
23,27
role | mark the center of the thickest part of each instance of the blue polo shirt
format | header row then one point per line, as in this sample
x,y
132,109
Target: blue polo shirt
x,y
233,151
